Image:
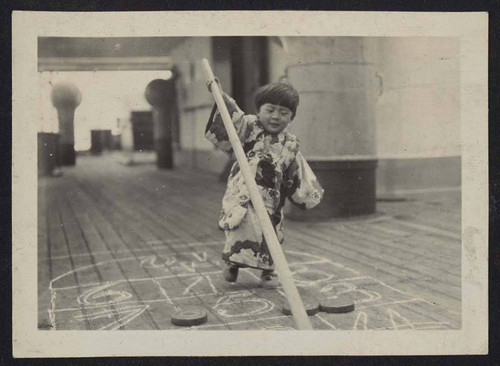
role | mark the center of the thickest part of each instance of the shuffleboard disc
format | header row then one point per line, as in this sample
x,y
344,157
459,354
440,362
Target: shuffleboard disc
x,y
312,308
340,304
189,316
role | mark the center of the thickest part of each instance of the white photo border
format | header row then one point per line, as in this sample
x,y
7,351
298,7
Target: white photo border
x,y
470,28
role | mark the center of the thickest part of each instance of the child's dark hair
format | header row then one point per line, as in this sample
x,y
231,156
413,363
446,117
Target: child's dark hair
x,y
282,94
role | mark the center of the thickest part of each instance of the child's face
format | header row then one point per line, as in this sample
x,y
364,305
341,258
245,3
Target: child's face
x,y
274,118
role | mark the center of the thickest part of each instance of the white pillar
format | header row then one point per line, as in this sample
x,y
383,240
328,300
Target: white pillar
x,y
335,122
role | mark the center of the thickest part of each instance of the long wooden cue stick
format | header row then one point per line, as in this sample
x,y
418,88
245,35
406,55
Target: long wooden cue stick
x,y
291,292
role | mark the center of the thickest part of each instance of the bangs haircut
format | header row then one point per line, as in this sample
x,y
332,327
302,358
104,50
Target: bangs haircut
x,y
281,94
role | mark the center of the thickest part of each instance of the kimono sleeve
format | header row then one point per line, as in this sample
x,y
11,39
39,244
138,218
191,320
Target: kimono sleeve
x,y
302,186
216,131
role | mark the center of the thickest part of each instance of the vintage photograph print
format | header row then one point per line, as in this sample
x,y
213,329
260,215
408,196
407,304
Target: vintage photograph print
x,y
243,186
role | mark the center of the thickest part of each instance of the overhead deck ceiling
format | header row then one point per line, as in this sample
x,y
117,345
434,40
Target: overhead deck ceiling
x,y
110,53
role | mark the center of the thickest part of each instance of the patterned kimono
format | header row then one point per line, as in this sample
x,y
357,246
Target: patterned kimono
x,y
280,171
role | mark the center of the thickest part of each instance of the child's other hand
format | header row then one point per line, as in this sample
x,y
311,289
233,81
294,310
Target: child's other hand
x,y
209,84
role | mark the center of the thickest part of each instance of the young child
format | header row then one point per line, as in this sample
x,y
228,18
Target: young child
x,y
279,169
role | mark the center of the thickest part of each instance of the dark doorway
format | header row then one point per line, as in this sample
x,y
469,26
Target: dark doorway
x,y
142,126
248,60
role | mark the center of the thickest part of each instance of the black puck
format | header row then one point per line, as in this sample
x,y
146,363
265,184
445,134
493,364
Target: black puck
x,y
340,304
189,316
311,308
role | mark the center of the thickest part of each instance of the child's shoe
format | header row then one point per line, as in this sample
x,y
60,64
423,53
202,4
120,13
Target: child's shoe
x,y
269,279
230,273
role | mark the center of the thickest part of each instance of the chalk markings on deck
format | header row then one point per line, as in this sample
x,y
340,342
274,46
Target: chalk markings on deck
x,y
138,250
332,279
324,321
361,322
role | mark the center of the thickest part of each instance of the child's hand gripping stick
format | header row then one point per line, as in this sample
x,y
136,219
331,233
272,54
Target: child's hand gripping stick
x,y
296,305
209,82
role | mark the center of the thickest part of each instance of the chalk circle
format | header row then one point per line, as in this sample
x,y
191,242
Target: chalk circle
x,y
337,305
304,276
189,316
312,308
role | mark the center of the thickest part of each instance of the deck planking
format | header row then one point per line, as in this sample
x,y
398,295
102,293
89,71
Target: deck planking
x,y
137,243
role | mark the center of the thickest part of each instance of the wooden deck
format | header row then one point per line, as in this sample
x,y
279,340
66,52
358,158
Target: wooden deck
x,y
121,247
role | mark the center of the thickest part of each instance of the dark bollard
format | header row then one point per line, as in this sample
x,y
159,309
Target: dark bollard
x,y
161,95
47,153
66,97
350,190
100,140
95,142
107,139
